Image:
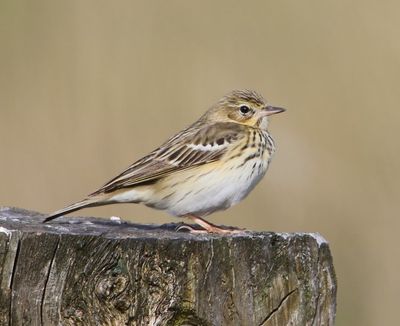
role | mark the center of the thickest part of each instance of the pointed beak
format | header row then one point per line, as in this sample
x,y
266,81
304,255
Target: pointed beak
x,y
270,110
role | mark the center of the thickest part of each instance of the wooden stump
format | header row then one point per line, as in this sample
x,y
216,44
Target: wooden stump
x,y
88,271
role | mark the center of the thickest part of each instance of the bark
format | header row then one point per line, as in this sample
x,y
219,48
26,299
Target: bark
x,y
90,271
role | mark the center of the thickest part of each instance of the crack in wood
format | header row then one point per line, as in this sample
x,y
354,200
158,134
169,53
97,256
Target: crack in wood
x,y
14,269
47,278
281,303
209,262
318,284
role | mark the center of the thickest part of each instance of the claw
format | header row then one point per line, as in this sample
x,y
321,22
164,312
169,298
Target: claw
x,y
189,229
208,227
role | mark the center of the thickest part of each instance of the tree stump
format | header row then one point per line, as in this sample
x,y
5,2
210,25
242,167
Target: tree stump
x,y
91,271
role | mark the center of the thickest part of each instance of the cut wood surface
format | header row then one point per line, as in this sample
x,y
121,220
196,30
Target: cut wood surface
x,y
92,271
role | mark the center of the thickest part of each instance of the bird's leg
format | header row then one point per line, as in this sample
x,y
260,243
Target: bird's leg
x,y
207,227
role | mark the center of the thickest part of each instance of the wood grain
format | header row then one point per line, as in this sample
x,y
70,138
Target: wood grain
x,y
90,271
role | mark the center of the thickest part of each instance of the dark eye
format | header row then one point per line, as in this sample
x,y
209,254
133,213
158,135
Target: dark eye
x,y
244,109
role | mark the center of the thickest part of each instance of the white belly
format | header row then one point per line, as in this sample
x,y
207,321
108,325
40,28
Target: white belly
x,y
217,189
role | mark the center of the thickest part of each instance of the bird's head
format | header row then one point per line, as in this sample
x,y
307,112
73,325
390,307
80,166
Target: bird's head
x,y
244,107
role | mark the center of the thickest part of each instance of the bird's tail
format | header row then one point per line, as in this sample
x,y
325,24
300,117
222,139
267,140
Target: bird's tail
x,y
88,202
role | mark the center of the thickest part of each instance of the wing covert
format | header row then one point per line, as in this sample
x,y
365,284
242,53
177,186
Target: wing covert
x,y
190,148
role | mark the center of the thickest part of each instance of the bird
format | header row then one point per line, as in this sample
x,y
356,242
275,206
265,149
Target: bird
x,y
209,166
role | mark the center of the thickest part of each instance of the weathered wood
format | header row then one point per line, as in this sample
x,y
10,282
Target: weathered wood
x,y
87,271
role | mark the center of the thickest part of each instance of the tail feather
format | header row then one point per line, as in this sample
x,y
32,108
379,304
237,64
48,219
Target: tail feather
x,y
88,202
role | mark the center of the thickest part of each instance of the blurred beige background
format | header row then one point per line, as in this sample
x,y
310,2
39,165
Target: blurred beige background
x,y
87,87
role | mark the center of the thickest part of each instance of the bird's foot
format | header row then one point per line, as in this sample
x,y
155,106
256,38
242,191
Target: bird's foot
x,y
190,229
208,227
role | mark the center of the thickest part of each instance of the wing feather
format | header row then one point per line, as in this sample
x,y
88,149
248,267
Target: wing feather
x,y
190,148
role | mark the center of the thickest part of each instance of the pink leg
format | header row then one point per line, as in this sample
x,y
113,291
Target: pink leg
x,y
208,227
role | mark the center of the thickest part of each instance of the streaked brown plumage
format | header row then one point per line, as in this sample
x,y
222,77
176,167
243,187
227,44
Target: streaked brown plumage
x,y
209,166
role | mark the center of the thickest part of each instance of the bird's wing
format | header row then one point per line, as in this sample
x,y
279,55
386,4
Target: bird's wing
x,y
189,148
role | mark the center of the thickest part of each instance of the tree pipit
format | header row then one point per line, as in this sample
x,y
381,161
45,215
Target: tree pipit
x,y
209,166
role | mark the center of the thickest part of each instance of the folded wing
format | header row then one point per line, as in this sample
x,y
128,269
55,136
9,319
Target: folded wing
x,y
190,148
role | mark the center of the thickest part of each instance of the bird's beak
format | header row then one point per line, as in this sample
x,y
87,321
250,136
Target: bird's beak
x,y
269,110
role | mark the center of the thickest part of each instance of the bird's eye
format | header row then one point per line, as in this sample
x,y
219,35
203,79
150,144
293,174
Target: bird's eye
x,y
244,109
